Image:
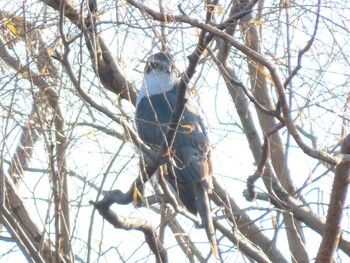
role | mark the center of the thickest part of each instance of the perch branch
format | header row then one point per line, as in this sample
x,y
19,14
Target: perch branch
x,y
133,223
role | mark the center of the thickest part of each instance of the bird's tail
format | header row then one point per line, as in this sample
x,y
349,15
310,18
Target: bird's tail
x,y
205,214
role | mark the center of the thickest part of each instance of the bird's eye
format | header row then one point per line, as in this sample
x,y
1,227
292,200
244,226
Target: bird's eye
x,y
155,64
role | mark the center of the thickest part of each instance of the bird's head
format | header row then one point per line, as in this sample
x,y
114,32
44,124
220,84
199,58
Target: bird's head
x,y
159,75
160,63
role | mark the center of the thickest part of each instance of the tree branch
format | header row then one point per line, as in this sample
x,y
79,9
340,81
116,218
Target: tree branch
x,y
108,69
52,98
305,49
135,224
332,232
214,31
246,226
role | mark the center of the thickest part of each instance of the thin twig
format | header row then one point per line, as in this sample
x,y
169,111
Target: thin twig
x,y
305,49
240,84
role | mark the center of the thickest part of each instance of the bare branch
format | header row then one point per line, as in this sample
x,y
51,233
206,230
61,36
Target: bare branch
x,y
244,244
256,57
52,97
246,226
238,83
332,232
135,224
239,63
305,49
108,69
22,227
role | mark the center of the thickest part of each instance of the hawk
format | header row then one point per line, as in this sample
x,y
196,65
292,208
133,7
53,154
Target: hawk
x,y
189,171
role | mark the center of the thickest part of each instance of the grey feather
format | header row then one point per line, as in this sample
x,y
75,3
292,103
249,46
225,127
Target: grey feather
x,y
190,171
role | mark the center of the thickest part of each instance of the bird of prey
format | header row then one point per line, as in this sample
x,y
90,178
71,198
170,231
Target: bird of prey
x,y
189,171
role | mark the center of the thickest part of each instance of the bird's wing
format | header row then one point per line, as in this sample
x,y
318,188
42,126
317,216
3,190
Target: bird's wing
x,y
191,149
190,171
